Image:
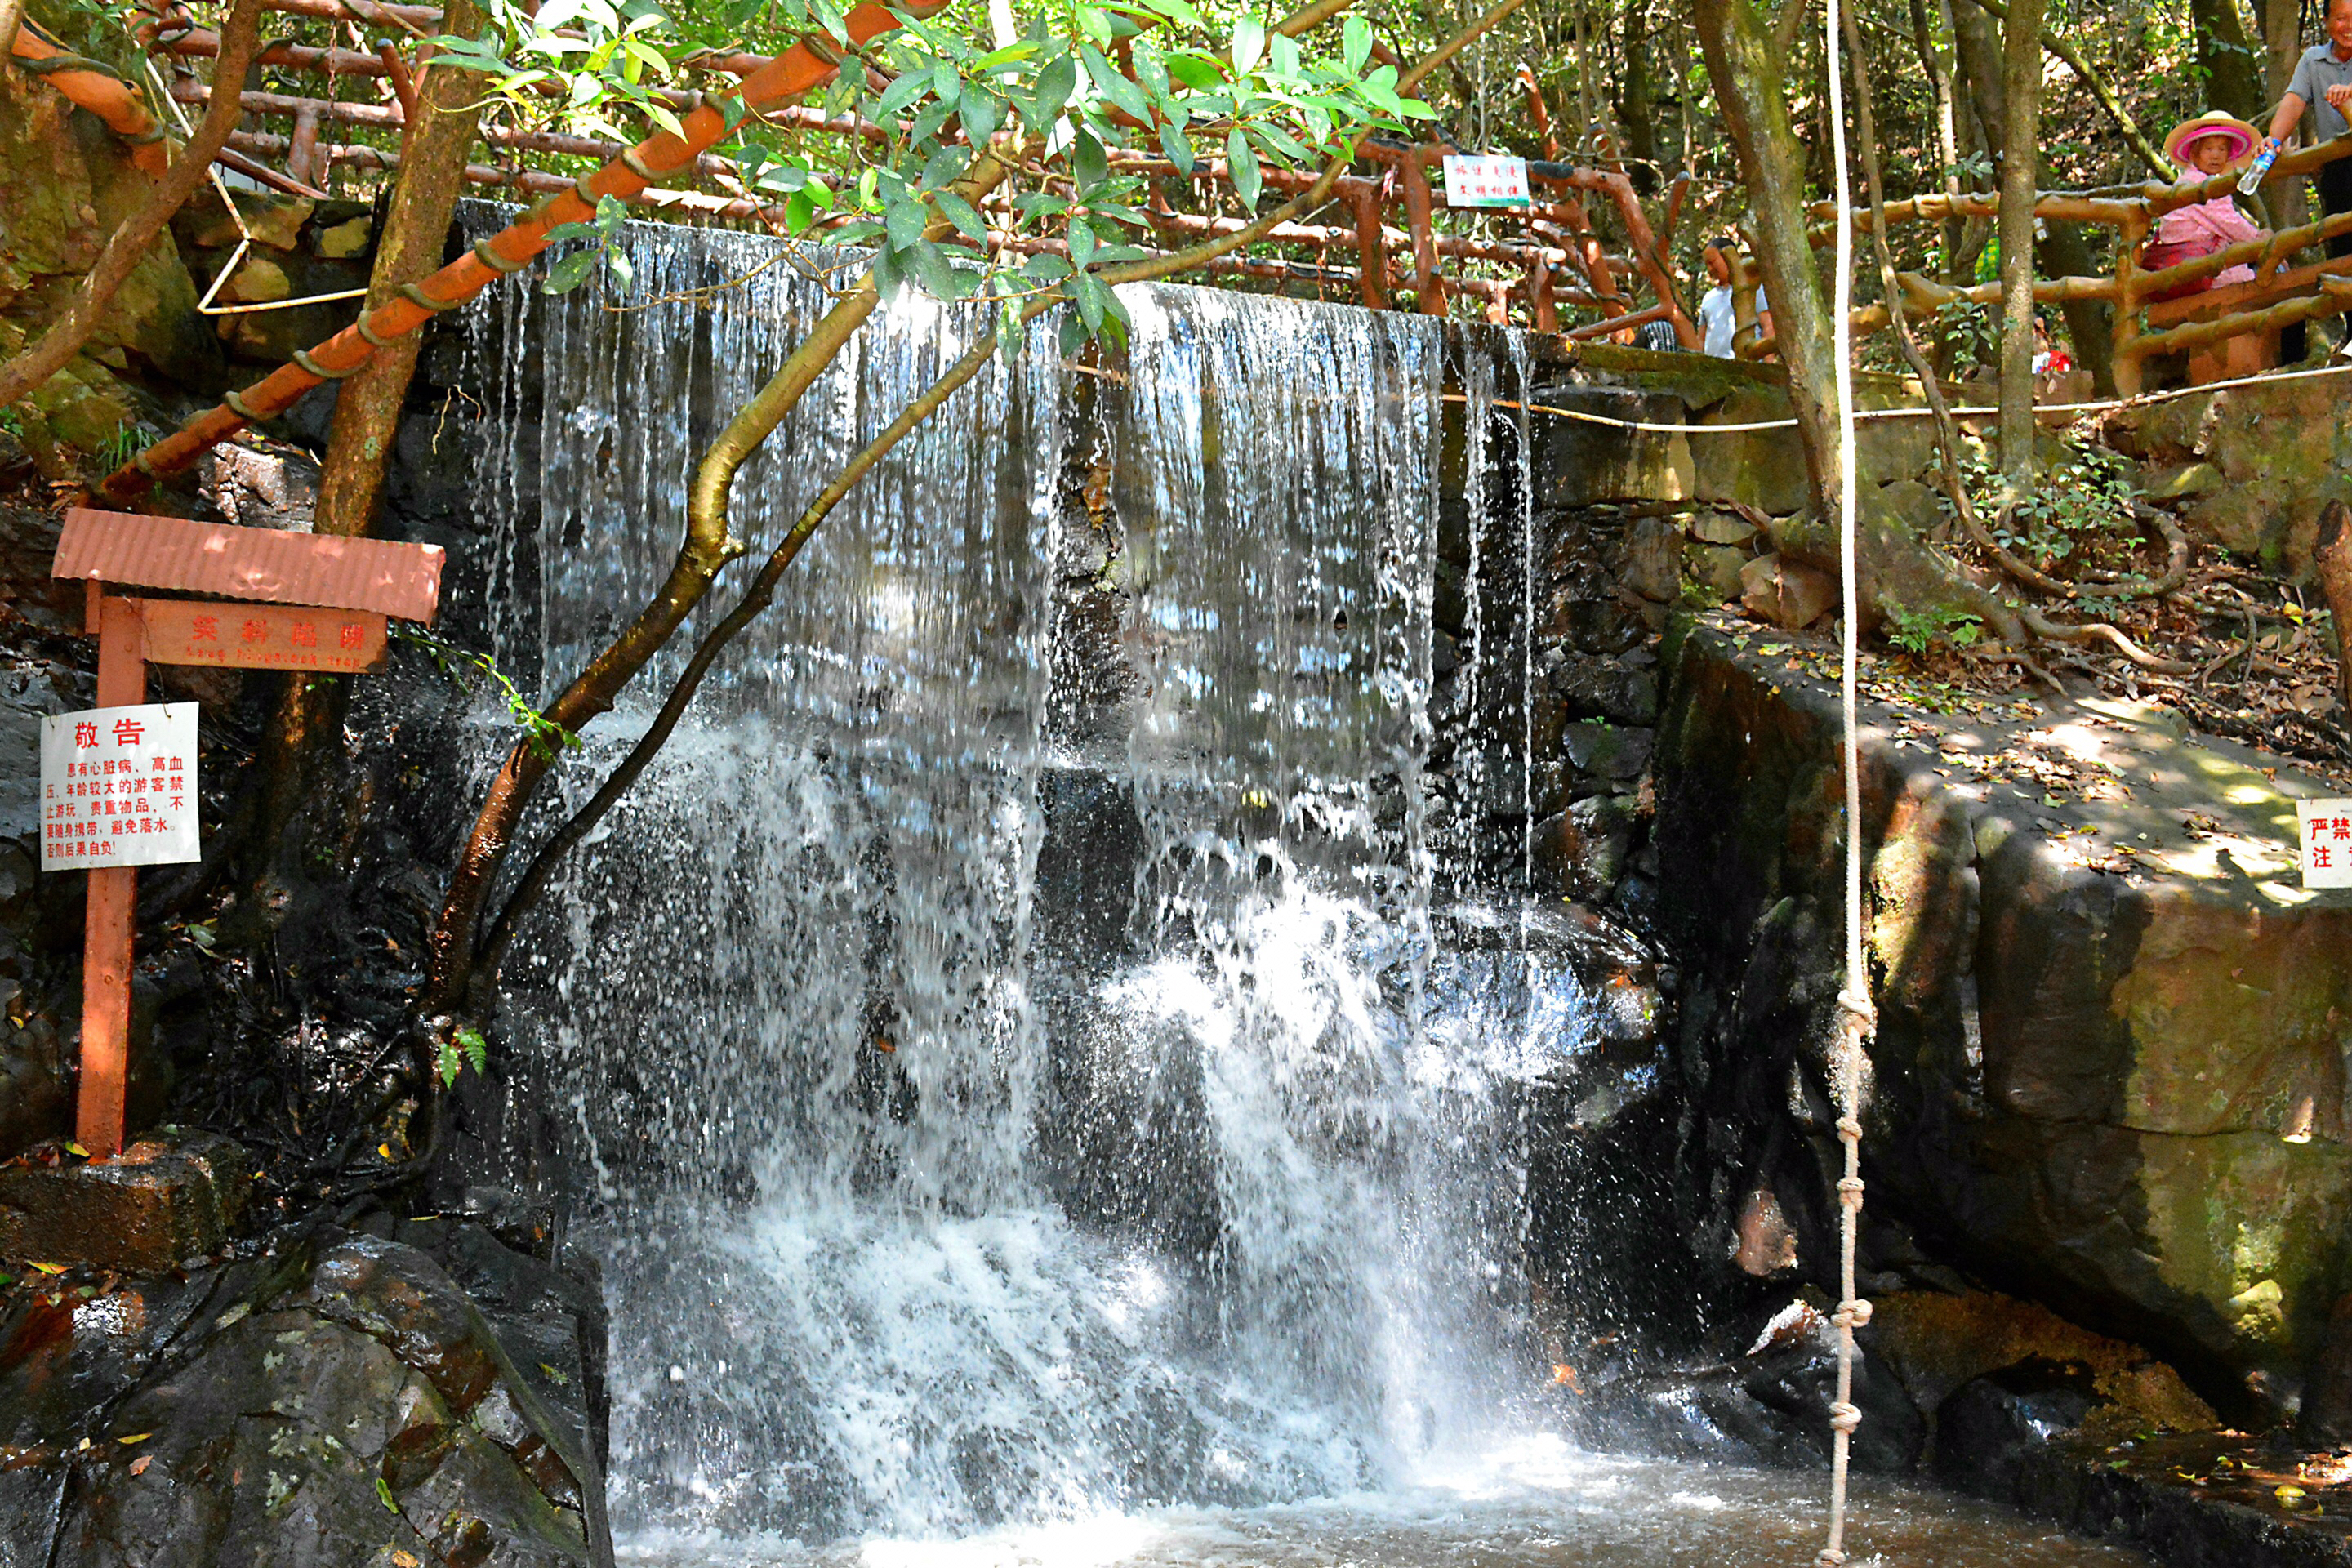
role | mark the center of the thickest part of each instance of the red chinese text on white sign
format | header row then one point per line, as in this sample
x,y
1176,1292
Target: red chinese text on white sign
x,y
119,787
2324,842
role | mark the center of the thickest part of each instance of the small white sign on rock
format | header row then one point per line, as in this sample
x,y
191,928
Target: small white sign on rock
x,y
119,787
2324,842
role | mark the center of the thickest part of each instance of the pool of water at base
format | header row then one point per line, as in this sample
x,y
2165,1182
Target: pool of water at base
x,y
1536,1503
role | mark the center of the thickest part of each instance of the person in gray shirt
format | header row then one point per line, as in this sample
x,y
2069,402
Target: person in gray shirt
x,y
2323,84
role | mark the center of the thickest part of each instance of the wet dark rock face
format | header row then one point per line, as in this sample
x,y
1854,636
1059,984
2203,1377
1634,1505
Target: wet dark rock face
x,y
405,1392
2105,1081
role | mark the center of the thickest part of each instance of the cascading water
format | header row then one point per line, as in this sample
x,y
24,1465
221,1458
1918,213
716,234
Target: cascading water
x,y
1030,1073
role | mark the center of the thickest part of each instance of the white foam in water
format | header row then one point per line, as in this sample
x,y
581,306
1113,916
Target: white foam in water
x,y
966,1202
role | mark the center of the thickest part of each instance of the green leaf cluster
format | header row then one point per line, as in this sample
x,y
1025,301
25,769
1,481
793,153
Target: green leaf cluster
x,y
1079,88
468,669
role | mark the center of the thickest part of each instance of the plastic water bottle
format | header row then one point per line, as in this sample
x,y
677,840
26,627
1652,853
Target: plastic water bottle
x,y
2250,181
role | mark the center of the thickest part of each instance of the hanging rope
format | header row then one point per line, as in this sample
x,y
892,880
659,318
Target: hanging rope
x,y
1744,428
1854,1012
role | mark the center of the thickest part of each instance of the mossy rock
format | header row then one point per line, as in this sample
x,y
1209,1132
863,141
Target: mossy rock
x,y
2274,455
70,185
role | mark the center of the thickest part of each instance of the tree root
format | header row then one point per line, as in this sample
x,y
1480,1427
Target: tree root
x,y
2022,570
2048,630
2024,661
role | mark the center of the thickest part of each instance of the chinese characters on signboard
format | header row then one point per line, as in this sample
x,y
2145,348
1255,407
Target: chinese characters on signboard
x,y
119,787
261,637
2324,842
1486,182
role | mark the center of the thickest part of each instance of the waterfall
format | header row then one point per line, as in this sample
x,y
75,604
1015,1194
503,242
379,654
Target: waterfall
x,y
1023,1063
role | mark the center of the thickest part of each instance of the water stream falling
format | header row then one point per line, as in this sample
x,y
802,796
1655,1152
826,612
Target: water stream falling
x,y
1036,1088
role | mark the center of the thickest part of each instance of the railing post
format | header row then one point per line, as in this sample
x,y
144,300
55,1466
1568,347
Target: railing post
x,y
2124,356
1428,287
1541,309
1371,245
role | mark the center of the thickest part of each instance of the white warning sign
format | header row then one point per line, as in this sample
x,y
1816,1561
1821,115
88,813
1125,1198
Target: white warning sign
x,y
2324,842
1495,181
119,787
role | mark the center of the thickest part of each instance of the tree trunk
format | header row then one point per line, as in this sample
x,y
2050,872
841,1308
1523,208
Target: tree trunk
x,y
409,249
1745,61
1938,68
27,371
308,721
1634,110
2020,142
2066,253
2233,71
1980,47
2332,557
2282,24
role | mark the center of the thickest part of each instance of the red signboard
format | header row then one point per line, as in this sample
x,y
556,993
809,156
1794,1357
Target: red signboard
x,y
270,564
260,637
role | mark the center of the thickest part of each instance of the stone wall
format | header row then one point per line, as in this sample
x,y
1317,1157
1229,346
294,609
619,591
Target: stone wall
x,y
2110,1081
2252,465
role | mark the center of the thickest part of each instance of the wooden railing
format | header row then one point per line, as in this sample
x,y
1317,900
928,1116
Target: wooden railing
x,y
1606,260
2145,324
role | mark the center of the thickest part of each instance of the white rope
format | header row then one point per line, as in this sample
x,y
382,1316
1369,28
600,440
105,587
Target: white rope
x,y
1853,1001
2143,400
205,306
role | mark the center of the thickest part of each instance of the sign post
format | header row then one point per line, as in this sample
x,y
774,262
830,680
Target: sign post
x,y
297,602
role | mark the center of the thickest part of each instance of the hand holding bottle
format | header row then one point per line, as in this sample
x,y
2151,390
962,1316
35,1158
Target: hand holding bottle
x,y
2252,180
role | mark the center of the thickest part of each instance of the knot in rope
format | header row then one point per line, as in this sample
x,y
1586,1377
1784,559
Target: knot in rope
x,y
1844,1417
1850,1129
1850,1191
1854,1313
1829,1557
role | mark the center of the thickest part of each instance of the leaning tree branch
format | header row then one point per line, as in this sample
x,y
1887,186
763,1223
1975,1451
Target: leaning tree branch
x,y
709,545
482,964
127,246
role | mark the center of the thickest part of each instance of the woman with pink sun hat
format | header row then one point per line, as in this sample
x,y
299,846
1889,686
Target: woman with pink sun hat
x,y
2208,145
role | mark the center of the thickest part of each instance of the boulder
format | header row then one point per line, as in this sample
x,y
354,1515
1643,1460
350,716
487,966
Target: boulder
x,y
262,485
71,184
1650,560
286,1410
159,1202
2254,464
2181,481
1717,568
346,240
1786,593
1607,750
1607,689
1580,853
1717,528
